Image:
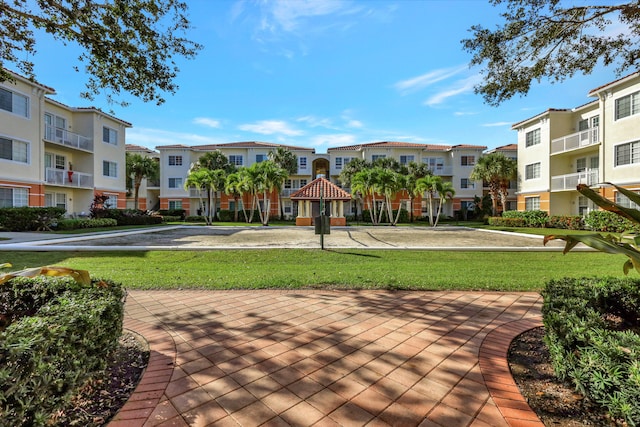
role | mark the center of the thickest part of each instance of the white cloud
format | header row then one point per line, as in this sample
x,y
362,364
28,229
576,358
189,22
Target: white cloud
x,y
206,121
427,79
152,138
460,87
464,113
497,124
334,140
314,121
291,15
271,127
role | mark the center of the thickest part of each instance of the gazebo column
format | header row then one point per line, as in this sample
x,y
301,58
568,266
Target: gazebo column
x,y
340,208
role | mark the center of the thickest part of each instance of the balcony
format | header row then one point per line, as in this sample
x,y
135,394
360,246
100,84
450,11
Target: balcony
x,y
442,170
68,178
67,139
571,181
581,139
197,193
287,192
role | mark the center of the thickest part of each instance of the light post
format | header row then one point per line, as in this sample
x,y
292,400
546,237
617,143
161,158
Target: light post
x,y
321,215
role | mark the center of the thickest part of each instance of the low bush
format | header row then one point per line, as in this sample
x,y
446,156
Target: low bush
x,y
82,223
132,217
30,219
500,221
566,222
173,212
535,219
169,218
58,333
593,334
606,221
193,218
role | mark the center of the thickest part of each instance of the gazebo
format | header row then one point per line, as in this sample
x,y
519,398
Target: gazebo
x,y
308,198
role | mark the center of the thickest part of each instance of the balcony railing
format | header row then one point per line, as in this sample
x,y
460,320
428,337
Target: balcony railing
x,y
575,140
153,183
571,181
442,171
68,178
196,193
287,192
66,138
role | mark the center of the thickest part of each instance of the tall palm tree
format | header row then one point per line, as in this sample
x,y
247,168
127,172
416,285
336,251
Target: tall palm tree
x,y
445,191
233,187
140,167
364,182
494,169
287,161
348,171
219,165
428,185
200,179
415,171
274,178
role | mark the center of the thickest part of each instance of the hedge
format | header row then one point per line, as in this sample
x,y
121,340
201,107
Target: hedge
x,y
83,223
592,331
30,219
609,222
536,219
59,333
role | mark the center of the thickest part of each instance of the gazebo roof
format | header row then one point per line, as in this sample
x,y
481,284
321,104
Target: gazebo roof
x,y
318,186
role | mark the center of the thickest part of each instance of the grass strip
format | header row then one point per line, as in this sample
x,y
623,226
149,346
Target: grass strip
x,y
344,268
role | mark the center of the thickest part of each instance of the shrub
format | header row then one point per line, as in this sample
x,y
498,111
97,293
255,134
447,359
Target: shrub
x,y
30,219
606,221
592,334
500,221
173,212
193,218
82,223
168,218
225,215
567,222
65,334
535,219
132,217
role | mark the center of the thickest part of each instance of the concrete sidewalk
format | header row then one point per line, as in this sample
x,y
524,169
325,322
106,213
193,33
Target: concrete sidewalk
x,y
328,358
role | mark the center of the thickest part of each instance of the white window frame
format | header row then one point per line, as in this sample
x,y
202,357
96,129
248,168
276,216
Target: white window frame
x,y
112,135
375,157
175,204
236,159
302,162
177,182
261,158
111,202
633,156
624,201
532,138
467,183
56,200
19,196
532,203
175,160
468,160
19,149
15,106
338,163
109,166
532,171
406,159
633,106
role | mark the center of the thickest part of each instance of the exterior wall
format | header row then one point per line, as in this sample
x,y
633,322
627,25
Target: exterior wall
x,y
59,168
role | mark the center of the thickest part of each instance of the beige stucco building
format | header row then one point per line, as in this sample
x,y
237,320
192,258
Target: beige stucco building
x,y
55,155
590,144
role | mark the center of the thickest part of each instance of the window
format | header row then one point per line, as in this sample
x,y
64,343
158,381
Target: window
x,y
467,183
111,202
175,182
287,184
303,182
532,203
302,162
110,136
175,204
624,201
236,160
626,154
467,160
261,158
175,160
377,156
532,137
434,163
406,159
14,197
627,105
338,162
288,209
583,125
16,151
109,169
532,171
56,200
14,103
55,127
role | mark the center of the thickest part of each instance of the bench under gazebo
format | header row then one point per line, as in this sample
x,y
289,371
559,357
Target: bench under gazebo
x,y
308,199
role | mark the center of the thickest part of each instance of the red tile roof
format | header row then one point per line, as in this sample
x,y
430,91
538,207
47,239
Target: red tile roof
x,y
593,92
133,147
397,144
249,144
509,147
318,186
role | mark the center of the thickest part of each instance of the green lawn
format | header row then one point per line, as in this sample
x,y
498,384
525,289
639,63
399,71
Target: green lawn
x,y
299,268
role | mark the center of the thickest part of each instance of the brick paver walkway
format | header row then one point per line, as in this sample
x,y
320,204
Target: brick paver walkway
x,y
334,358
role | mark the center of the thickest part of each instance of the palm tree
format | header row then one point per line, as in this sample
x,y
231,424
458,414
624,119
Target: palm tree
x,y
445,191
140,167
287,161
199,178
233,187
219,166
415,171
274,178
428,185
495,169
348,171
364,183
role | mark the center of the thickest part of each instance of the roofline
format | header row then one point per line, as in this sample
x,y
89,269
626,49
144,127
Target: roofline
x,y
621,80
94,110
49,90
537,116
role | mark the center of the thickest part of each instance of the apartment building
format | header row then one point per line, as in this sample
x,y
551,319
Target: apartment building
x,y
149,191
453,163
55,155
175,161
590,144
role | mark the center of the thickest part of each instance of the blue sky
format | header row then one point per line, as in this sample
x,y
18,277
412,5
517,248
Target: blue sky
x,y
323,74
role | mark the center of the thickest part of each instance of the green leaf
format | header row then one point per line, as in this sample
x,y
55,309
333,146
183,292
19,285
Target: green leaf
x,y
608,205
